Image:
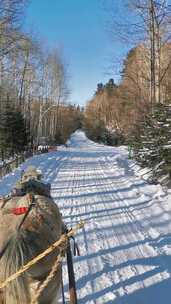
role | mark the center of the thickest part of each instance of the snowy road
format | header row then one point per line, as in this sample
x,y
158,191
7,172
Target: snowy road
x,y
126,243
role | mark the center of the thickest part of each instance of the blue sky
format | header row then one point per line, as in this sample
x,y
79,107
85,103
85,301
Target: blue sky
x,y
80,29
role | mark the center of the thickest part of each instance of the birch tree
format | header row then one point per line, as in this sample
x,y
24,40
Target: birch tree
x,y
151,27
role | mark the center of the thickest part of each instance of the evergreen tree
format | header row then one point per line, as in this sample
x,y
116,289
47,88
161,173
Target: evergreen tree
x,y
152,142
13,136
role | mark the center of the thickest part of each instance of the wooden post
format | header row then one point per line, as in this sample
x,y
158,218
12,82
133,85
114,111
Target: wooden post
x,y
72,286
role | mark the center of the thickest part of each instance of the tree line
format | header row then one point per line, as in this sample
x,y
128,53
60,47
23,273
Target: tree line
x,y
33,87
137,110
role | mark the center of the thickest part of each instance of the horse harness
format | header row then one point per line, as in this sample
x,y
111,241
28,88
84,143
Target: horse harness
x,y
18,211
26,211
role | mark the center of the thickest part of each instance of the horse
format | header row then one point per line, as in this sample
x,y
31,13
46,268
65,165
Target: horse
x,y
24,235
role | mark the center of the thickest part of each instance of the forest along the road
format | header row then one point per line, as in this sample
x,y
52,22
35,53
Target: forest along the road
x,y
126,242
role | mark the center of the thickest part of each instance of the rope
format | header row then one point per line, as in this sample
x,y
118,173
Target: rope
x,y
48,279
59,243
32,204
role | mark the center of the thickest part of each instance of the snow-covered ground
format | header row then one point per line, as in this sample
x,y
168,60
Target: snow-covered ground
x,y
126,243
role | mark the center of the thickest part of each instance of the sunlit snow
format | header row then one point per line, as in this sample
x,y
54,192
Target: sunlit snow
x,y
126,243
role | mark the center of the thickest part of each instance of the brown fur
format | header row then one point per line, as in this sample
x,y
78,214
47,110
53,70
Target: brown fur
x,y
42,227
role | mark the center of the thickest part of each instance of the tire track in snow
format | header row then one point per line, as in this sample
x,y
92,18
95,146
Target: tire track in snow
x,y
137,227
116,197
99,241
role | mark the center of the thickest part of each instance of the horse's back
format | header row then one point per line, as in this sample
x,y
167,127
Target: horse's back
x,y
43,215
41,227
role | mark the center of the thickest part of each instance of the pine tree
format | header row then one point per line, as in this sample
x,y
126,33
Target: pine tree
x,y
152,143
13,136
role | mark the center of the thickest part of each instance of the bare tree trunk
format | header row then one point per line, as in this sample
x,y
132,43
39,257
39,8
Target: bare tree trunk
x,y
152,54
22,80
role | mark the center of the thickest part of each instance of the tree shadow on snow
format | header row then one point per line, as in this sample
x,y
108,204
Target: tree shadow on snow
x,y
158,293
